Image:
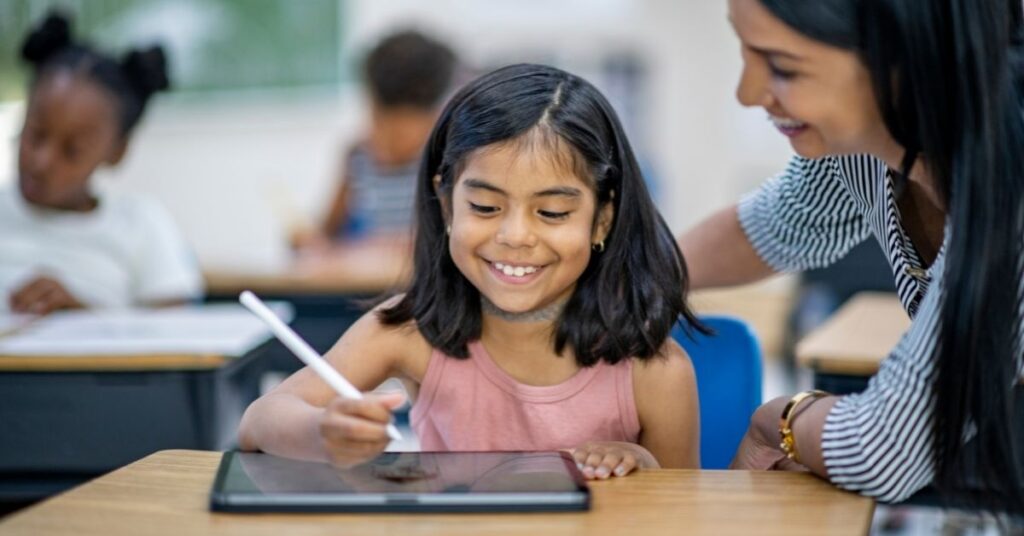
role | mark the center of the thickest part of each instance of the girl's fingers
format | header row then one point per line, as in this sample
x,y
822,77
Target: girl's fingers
x,y
25,298
41,296
366,420
626,466
611,460
371,408
50,300
600,462
592,462
347,428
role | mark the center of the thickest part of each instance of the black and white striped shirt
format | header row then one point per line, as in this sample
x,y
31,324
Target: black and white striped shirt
x,y
877,442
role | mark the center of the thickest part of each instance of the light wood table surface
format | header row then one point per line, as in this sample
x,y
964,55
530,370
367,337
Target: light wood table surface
x,y
167,493
106,363
370,267
857,337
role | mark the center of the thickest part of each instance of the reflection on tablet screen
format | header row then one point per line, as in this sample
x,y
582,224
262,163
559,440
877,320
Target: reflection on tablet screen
x,y
407,472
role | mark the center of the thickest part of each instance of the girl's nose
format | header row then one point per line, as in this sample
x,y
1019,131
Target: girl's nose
x,y
516,231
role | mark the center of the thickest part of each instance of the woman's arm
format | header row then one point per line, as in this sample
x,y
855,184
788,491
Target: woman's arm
x,y
719,254
804,217
877,442
759,450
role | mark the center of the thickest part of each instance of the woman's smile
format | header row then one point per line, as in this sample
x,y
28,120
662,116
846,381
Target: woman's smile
x,y
791,128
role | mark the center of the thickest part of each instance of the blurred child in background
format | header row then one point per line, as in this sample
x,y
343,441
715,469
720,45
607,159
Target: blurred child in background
x,y
407,76
63,242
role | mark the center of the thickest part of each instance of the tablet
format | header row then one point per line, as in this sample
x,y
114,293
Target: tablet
x,y
402,482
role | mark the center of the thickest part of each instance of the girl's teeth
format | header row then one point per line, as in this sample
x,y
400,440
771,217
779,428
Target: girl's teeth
x,y
515,271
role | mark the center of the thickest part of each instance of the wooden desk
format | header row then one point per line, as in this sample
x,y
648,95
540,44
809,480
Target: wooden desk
x,y
69,419
857,337
360,268
846,350
168,493
102,363
329,290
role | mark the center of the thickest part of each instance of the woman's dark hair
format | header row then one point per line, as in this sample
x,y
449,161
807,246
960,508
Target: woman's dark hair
x,y
132,80
948,78
628,297
408,68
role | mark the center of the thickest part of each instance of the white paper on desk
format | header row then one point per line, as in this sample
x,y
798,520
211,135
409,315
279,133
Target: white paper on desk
x,y
11,322
220,329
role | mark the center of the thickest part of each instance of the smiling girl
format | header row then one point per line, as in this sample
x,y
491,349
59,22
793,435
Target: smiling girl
x,y
545,288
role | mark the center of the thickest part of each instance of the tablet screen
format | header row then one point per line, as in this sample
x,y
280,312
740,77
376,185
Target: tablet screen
x,y
399,480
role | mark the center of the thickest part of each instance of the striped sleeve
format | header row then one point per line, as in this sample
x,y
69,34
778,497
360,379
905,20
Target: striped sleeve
x,y
879,442
805,217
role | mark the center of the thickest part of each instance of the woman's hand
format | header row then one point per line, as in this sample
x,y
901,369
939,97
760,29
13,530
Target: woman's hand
x,y
354,431
603,459
41,296
759,450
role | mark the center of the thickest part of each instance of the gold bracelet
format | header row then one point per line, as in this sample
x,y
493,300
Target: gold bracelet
x,y
788,444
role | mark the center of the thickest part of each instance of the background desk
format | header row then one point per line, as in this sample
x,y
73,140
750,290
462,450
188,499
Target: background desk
x,y
847,349
68,419
168,493
329,291
359,268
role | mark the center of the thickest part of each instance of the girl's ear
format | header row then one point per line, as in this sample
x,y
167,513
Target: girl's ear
x,y
605,217
442,199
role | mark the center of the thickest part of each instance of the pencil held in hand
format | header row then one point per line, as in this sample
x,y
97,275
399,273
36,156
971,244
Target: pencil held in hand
x,y
305,353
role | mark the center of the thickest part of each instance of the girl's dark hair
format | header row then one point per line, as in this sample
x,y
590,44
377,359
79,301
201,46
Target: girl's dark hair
x,y
948,78
628,297
132,80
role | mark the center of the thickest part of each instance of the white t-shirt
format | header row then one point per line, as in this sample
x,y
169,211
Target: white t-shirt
x,y
127,251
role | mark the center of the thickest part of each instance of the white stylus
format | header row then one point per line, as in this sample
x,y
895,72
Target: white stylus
x,y
304,352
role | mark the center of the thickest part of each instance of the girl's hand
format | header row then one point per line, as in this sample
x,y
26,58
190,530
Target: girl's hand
x,y
603,459
354,431
43,295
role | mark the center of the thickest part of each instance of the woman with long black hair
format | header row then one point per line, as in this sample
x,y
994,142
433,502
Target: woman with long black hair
x,y
908,122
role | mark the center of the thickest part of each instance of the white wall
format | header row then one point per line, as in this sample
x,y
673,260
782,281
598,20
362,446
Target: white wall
x,y
238,172
705,148
232,168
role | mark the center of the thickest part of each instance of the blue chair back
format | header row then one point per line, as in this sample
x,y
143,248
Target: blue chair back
x,y
728,369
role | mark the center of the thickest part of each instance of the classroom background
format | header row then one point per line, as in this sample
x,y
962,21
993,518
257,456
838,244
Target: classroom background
x,y
267,91
266,94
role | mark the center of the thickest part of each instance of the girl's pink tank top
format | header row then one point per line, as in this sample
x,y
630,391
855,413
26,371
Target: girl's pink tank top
x,y
471,404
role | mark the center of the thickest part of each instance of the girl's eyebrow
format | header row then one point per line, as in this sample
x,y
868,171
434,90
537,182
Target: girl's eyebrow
x,y
565,191
478,184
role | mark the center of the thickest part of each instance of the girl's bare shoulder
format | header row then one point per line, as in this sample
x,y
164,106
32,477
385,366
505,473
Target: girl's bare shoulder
x,y
669,368
401,345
